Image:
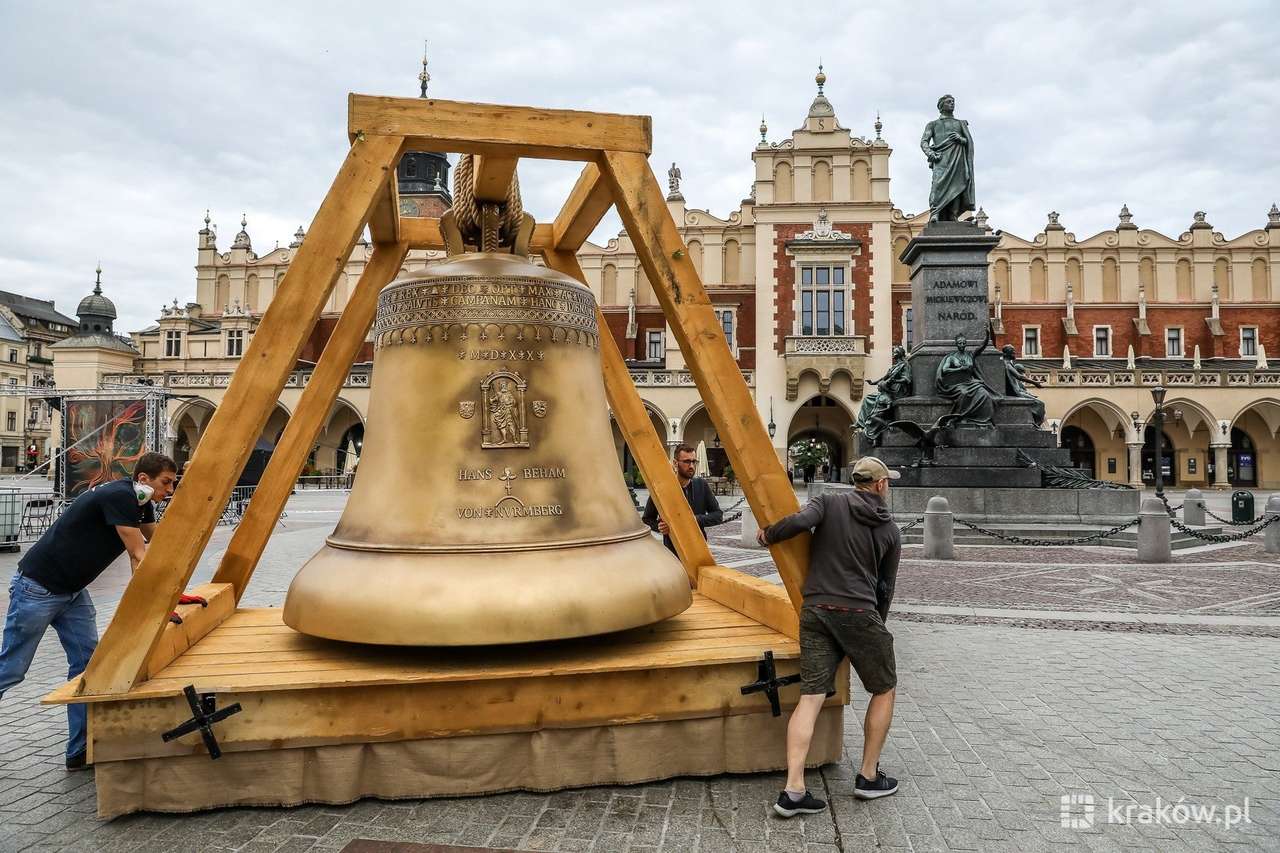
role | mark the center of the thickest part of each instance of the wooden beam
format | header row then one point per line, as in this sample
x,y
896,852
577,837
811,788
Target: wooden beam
x,y
586,206
688,310
308,419
503,131
646,445
197,622
272,354
421,232
384,222
762,601
491,177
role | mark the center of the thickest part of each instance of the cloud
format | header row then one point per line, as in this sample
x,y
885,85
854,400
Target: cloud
x,y
121,125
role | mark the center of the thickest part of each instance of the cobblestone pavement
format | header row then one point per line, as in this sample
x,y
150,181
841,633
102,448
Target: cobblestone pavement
x,y
996,722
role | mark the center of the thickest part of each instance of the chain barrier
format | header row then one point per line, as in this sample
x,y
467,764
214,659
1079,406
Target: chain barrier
x,y
1217,517
730,514
1170,509
1224,537
1053,543
904,528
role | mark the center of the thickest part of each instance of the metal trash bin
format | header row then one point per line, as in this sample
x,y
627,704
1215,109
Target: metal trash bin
x,y
1242,506
10,518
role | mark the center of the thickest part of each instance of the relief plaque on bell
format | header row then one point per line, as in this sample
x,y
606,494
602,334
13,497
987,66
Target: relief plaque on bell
x,y
489,505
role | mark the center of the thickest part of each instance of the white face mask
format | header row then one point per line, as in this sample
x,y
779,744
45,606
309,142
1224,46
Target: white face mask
x,y
142,492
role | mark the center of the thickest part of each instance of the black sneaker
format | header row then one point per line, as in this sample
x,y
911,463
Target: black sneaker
x,y
870,789
808,804
76,762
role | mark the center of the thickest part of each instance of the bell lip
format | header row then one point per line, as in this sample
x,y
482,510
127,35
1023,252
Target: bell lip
x,y
350,545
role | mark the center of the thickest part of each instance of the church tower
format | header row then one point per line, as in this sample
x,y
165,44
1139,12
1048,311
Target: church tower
x,y
422,177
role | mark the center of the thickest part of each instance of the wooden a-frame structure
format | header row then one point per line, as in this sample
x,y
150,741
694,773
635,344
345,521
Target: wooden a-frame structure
x,y
140,641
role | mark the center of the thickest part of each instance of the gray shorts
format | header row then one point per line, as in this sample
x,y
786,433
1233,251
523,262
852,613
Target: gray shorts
x,y
828,636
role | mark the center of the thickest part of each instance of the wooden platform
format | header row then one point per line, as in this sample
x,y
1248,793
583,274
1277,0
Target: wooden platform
x,y
686,667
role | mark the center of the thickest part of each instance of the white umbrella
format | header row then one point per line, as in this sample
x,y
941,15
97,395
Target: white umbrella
x,y
704,467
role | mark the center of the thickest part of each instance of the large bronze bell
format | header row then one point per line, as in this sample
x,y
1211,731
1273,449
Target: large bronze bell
x,y
488,506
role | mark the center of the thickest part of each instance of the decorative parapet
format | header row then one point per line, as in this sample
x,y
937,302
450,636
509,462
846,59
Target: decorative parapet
x,y
1174,378
676,378
825,356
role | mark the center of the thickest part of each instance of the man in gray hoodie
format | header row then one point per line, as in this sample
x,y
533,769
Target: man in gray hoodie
x,y
853,563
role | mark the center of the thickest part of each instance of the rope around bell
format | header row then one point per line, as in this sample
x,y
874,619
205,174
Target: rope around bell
x,y
504,217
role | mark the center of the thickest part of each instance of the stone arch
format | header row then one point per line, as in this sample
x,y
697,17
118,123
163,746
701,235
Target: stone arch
x,y
1108,412
1111,280
187,424
1039,281
1108,429
1186,291
1259,282
630,470
695,255
823,419
860,180
644,290
339,444
1222,278
822,181
609,285
251,293
783,189
1147,274
1073,276
1001,276
732,262
1194,417
902,272
1267,409
222,294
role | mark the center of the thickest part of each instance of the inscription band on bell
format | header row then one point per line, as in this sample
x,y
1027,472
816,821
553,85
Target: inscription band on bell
x,y
487,303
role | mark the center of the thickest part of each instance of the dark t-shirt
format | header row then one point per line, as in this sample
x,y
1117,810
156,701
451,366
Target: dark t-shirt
x,y
83,541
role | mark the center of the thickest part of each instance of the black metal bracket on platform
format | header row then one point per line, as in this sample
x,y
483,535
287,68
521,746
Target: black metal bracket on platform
x,y
204,713
768,682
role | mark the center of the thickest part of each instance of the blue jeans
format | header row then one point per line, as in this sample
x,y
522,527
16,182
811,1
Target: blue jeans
x,y
32,609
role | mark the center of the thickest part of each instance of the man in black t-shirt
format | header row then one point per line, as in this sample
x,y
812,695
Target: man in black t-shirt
x,y
706,509
49,586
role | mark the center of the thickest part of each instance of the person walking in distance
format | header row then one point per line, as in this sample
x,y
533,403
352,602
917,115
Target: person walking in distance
x,y
853,564
706,509
49,586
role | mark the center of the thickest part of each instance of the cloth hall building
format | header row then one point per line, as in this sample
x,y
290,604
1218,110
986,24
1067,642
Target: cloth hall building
x,y
806,280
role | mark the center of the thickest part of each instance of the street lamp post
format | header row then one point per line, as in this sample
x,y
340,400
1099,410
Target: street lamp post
x,y
773,428
1157,394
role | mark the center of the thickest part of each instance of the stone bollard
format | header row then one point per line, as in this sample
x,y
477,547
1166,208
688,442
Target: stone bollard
x,y
1193,508
1271,535
1153,532
939,535
749,528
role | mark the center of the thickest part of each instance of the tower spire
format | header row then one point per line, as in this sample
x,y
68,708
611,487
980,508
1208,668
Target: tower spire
x,y
424,78
820,78
97,284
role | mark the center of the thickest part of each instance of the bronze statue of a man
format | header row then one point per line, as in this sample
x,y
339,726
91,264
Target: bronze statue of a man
x,y
1016,381
948,147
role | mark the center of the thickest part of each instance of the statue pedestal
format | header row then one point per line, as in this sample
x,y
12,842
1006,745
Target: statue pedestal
x,y
949,298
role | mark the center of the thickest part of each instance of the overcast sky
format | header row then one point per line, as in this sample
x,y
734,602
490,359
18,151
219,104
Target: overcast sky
x,y
121,123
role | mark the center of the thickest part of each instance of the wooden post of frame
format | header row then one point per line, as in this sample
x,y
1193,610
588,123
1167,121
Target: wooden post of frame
x,y
643,209
644,441
180,539
253,531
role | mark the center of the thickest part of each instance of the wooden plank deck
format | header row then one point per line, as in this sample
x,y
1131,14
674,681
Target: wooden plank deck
x,y
254,651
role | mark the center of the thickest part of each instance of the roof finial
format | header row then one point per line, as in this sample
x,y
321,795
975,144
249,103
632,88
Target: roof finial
x,y
424,78
820,78
206,218
97,284
878,127
1273,217
764,129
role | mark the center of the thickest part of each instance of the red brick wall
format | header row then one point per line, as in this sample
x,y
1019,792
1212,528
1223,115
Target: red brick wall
x,y
1195,331
784,294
